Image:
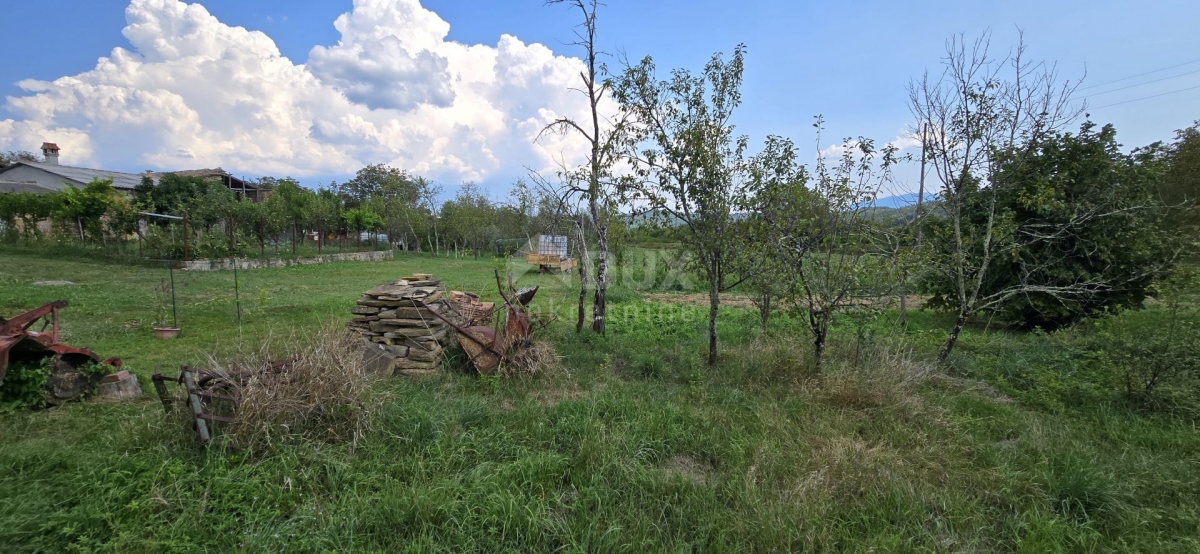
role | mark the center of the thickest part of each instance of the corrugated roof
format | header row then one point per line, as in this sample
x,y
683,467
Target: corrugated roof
x,y
217,173
23,186
83,175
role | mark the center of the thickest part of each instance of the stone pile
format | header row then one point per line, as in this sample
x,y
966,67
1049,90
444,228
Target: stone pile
x,y
401,335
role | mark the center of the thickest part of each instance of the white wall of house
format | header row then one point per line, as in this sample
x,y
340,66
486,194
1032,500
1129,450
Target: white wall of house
x,y
41,177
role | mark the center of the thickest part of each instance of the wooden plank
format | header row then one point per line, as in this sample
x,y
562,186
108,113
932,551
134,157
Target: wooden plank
x,y
189,380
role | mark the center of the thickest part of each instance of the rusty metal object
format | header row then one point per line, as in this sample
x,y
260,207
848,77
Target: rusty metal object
x,y
486,347
212,396
19,344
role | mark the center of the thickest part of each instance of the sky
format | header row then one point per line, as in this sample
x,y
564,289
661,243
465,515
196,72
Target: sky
x,y
457,90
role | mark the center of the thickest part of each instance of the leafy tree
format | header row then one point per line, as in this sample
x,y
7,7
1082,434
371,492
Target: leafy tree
x,y
380,182
470,218
11,158
83,208
979,107
292,203
260,221
1080,212
362,219
326,213
686,161
172,194
428,208
821,229
1181,185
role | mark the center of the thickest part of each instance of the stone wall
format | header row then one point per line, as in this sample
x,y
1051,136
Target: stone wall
x,y
250,263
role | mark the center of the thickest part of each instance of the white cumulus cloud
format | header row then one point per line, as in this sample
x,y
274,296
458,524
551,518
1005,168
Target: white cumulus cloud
x,y
195,92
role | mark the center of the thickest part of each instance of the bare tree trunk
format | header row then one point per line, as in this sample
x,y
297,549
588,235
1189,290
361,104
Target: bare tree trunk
x,y
714,302
764,311
819,338
599,306
293,238
584,269
953,338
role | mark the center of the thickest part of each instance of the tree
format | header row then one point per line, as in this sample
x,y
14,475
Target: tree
x,y
292,203
1082,213
428,207
362,219
260,220
686,161
326,213
171,194
379,181
821,230
11,158
980,107
83,208
1181,185
601,155
469,218
768,279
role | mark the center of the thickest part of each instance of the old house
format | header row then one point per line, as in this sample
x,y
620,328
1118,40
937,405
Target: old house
x,y
49,175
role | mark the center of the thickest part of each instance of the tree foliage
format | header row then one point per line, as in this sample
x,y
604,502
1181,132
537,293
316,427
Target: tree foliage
x,y
686,160
1072,211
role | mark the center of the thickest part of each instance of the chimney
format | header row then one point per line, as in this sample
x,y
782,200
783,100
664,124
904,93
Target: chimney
x,y
50,151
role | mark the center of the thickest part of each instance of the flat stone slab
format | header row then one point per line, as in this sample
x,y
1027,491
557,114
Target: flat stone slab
x,y
53,283
122,385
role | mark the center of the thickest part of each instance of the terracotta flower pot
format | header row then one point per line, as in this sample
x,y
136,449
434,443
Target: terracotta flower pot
x,y
166,332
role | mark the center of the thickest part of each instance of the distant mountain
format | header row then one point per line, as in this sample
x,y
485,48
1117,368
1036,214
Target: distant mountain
x,y
902,201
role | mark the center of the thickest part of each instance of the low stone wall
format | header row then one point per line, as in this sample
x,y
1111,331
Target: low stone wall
x,y
250,263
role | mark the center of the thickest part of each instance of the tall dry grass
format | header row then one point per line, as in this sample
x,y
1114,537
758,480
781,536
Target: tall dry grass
x,y
325,395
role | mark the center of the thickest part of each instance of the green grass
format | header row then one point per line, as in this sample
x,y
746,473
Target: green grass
x,y
634,446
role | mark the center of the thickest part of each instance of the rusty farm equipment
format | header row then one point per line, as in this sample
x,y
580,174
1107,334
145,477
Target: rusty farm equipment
x,y
19,344
212,396
486,346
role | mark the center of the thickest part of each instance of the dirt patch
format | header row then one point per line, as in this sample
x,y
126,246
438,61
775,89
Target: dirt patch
x,y
743,301
689,467
698,299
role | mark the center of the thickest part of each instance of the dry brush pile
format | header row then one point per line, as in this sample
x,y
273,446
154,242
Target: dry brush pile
x,y
325,394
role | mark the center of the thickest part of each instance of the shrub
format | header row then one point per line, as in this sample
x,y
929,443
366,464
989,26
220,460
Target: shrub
x,y
25,386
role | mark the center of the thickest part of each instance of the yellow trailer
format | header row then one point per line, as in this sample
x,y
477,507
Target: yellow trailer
x,y
548,262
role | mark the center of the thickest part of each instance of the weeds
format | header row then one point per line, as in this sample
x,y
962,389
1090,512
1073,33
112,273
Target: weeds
x,y
325,396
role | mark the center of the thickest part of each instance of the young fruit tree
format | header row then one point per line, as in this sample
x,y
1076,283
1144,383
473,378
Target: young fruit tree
x,y
820,228
686,162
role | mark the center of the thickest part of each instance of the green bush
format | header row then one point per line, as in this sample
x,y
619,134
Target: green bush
x,y
25,386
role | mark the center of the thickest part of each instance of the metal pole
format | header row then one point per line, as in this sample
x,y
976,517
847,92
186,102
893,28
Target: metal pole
x,y
236,295
174,308
185,237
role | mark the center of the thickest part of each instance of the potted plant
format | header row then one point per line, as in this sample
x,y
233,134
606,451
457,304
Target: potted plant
x,y
162,329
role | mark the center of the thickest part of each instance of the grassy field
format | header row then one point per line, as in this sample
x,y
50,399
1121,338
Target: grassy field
x,y
632,445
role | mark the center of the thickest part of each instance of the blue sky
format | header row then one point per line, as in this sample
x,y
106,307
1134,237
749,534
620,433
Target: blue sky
x,y
847,61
